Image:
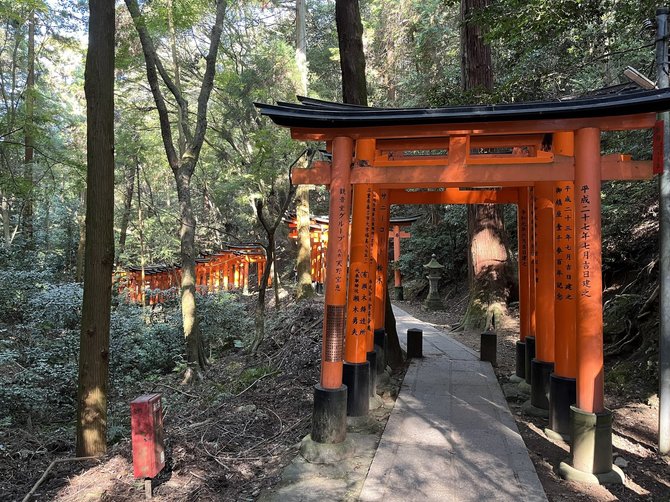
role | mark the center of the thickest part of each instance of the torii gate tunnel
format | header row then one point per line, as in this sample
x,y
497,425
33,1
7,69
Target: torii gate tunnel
x,y
318,237
543,156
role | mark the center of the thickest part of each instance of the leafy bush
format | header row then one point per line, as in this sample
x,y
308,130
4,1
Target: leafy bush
x,y
57,306
224,320
39,374
139,349
17,287
447,239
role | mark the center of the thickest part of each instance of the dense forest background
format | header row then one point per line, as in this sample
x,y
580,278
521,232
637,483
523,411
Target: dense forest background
x,y
540,50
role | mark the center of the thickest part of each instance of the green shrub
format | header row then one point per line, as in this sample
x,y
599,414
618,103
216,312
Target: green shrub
x,y
57,306
17,287
224,320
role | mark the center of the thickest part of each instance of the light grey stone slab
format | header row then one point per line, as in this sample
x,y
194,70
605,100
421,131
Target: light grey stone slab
x,y
451,436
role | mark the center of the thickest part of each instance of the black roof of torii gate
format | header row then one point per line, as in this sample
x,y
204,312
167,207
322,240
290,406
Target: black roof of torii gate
x,y
312,113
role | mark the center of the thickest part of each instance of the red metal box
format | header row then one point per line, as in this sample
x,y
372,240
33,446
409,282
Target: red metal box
x,y
146,420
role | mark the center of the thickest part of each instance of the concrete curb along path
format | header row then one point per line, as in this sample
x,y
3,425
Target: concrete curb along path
x,y
451,436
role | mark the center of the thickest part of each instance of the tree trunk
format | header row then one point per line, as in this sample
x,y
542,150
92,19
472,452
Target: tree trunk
x,y
352,57
127,205
476,69
304,288
195,355
96,306
81,248
259,318
47,225
183,164
304,261
28,208
489,266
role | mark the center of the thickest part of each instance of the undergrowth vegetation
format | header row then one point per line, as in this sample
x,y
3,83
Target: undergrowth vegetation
x,y
39,346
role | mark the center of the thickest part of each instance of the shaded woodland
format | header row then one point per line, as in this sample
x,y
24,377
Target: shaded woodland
x,y
195,167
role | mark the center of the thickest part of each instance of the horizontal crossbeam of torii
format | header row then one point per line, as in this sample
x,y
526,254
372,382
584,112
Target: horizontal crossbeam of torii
x,y
544,156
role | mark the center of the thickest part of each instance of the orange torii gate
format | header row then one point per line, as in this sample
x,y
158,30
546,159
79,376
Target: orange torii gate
x,y
224,270
318,229
549,152
395,234
318,237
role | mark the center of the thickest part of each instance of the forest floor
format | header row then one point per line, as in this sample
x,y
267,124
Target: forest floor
x,y
635,422
230,436
227,437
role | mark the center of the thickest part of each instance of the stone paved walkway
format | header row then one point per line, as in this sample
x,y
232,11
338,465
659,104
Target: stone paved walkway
x,y
451,436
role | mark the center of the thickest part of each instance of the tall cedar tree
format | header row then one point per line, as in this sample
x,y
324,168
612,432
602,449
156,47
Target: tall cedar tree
x,y
354,90
99,254
303,263
489,266
182,161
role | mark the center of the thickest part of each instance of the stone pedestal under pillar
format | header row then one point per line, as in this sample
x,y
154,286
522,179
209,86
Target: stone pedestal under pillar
x,y
591,449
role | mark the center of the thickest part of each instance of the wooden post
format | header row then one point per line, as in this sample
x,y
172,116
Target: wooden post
x,y
590,371
336,281
591,423
356,370
358,321
523,229
329,419
381,229
246,275
542,365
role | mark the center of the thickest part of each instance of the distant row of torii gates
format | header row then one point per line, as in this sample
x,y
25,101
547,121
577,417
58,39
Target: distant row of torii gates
x,y
228,269
224,270
546,158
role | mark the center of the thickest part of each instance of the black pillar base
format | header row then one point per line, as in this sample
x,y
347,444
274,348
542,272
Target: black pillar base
x,y
530,355
539,386
562,395
520,359
329,418
399,294
380,348
488,348
372,362
414,343
356,377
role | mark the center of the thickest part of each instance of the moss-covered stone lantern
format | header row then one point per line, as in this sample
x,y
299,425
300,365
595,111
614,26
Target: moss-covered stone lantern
x,y
434,268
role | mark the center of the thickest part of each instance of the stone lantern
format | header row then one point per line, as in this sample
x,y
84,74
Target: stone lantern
x,y
433,301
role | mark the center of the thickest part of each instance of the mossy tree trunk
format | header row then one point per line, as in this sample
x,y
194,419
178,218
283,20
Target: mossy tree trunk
x,y
490,270
489,264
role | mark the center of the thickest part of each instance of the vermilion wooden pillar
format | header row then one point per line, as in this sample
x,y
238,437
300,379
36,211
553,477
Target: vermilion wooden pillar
x,y
542,365
397,276
236,274
381,229
532,271
356,371
562,389
382,217
523,233
329,420
591,423
563,386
